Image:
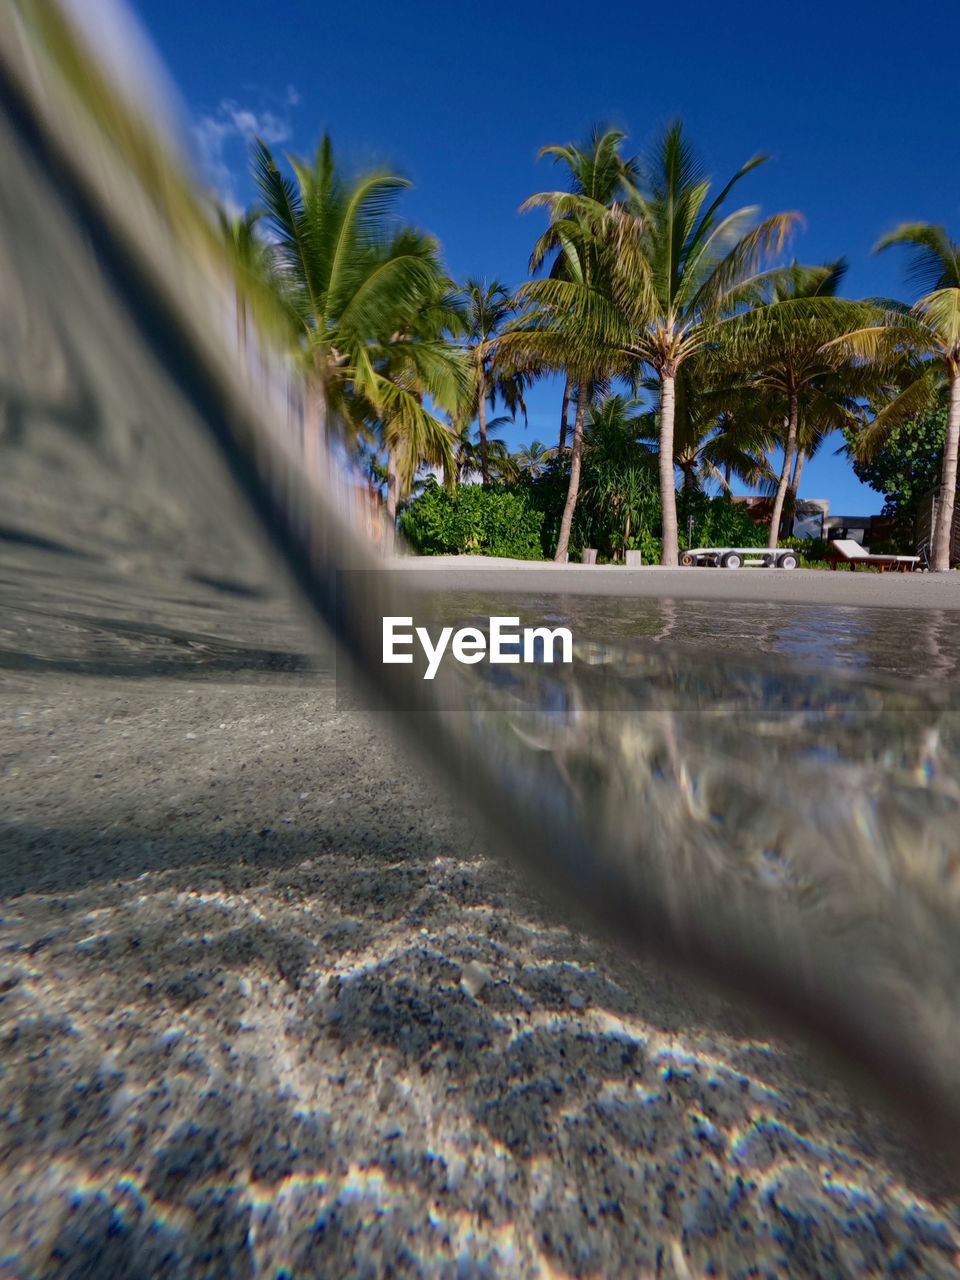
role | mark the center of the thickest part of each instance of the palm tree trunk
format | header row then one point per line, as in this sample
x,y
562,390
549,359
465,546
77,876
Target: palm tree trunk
x,y
797,471
393,499
576,452
670,552
790,505
789,448
726,477
942,536
563,416
482,424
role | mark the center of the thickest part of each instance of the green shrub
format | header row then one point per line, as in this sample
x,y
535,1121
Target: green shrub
x,y
808,548
647,544
813,552
500,521
717,522
522,521
907,466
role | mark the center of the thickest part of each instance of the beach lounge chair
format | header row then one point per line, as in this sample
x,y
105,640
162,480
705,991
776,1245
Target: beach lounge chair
x,y
847,551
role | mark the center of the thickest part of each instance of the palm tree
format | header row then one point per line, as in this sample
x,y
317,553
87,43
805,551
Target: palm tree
x,y
684,267
928,334
618,468
810,437
785,346
734,447
489,306
551,336
415,360
657,277
615,430
501,464
562,328
342,276
533,459
597,173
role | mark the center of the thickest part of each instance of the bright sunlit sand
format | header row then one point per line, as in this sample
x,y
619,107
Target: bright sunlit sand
x,y
796,586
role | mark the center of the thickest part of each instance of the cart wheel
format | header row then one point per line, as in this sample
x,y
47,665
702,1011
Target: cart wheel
x,y
686,559
788,561
768,561
732,560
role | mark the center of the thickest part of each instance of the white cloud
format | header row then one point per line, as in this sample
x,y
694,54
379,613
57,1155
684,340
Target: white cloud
x,y
223,137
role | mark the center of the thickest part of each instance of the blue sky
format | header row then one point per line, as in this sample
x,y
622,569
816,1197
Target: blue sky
x,y
851,102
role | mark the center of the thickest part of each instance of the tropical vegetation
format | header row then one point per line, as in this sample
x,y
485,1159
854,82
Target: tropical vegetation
x,y
919,347
477,520
488,307
371,312
905,467
693,356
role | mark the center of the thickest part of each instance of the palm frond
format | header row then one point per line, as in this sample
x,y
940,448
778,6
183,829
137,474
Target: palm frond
x,y
413,433
390,292
768,237
911,403
883,345
361,226
941,312
283,209
935,261
709,217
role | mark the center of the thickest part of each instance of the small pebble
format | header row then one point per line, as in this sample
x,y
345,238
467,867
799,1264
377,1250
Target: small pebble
x,y
474,978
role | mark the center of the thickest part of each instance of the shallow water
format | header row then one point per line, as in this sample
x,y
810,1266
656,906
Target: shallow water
x,y
921,644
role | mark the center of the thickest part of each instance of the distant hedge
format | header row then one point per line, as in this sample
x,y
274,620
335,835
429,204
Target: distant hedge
x,y
813,552
521,521
499,521
717,522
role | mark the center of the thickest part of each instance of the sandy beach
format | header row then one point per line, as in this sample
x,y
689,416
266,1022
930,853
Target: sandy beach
x,y
866,588
270,1006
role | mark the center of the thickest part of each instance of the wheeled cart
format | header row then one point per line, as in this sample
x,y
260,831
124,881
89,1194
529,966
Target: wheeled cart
x,y
738,557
